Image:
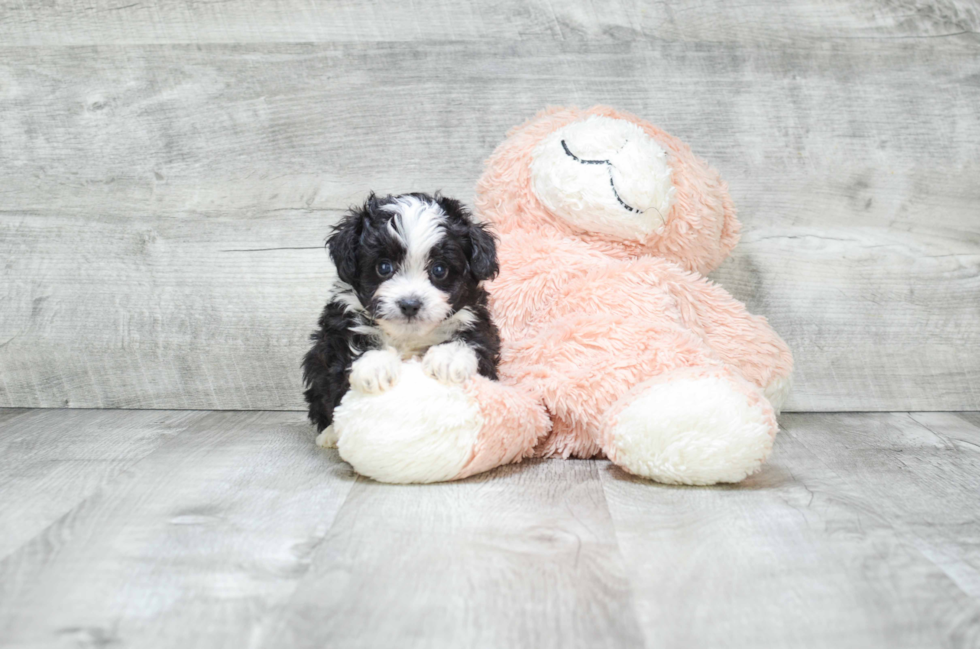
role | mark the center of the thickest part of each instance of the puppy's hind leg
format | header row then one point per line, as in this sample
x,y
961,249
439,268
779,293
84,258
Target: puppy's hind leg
x,y
327,438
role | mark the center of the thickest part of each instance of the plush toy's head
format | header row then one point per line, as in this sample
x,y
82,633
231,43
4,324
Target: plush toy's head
x,y
612,179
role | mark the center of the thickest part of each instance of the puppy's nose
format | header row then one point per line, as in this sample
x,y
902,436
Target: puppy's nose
x,y
409,306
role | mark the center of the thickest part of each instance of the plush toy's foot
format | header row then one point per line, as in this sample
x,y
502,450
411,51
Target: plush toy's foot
x,y
692,427
425,430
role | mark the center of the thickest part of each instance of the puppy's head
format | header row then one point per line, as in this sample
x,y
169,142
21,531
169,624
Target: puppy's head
x,y
413,260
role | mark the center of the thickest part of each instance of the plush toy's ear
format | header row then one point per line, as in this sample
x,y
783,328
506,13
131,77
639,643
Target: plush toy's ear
x,y
481,249
345,239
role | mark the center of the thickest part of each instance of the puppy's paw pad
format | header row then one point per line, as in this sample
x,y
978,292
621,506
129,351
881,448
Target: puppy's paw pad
x,y
450,362
376,371
327,439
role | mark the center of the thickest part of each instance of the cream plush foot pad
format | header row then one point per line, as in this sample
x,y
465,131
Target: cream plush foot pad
x,y
696,431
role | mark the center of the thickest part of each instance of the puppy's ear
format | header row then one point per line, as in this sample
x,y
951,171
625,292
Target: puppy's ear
x,y
482,252
345,239
481,248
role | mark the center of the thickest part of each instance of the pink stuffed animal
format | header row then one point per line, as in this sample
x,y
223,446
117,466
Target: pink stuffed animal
x,y
613,342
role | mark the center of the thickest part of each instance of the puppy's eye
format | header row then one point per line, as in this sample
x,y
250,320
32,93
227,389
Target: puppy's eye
x,y
439,271
385,269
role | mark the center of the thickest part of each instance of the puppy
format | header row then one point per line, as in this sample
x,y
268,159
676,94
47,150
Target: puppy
x,y
411,270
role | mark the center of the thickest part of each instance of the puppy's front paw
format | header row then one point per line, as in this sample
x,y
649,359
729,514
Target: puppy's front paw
x,y
327,439
376,371
450,362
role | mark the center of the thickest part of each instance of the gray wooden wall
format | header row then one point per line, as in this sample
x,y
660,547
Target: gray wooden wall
x,y
168,171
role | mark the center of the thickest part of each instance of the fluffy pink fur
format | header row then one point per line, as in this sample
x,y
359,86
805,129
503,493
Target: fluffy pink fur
x,y
588,319
513,422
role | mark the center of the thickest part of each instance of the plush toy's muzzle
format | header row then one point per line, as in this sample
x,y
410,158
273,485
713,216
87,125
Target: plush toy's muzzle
x,y
606,176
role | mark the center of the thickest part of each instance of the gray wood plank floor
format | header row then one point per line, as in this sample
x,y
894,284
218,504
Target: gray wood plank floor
x,y
213,529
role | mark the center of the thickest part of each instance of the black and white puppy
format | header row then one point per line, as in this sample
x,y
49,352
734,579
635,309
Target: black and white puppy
x,y
410,271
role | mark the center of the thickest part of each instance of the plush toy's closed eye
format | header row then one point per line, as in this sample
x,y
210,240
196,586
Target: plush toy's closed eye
x,y
604,175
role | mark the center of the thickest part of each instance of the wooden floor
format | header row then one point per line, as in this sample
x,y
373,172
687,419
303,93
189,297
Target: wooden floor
x,y
231,529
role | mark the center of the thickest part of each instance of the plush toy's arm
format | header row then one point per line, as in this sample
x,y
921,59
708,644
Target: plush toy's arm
x,y
423,430
739,338
514,421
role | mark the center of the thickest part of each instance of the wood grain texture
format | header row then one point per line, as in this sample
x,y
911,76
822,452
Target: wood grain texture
x,y
188,547
237,531
970,417
127,172
100,22
143,313
6,414
919,471
796,556
524,556
49,463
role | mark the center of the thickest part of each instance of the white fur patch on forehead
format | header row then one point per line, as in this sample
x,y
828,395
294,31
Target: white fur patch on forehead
x,y
418,225
604,175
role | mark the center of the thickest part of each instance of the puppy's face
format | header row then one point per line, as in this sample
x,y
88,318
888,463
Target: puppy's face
x,y
413,260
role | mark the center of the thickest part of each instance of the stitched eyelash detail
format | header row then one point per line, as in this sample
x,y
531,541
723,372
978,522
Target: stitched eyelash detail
x,y
609,167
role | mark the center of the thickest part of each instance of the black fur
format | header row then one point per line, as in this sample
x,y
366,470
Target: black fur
x,y
356,245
